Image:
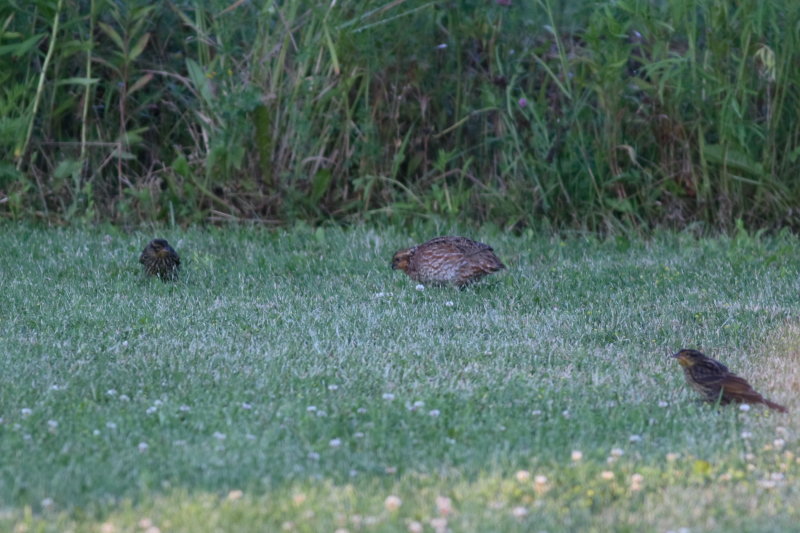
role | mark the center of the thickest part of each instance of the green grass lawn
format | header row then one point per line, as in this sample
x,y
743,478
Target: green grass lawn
x,y
292,381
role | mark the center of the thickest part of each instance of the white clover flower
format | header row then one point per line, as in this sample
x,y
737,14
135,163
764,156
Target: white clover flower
x,y
449,303
184,408
52,424
124,397
444,505
439,524
617,452
744,407
415,527
151,410
577,455
434,413
314,456
536,412
358,435
519,512
111,425
662,403
333,387
419,404
321,413
608,475
96,432
47,503
779,444
746,434
392,503
158,403
311,408
361,410
635,438
522,476
420,287
335,443
388,396
540,480
25,412
111,392
143,446
246,406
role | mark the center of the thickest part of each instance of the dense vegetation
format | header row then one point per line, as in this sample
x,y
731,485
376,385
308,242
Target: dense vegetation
x,y
561,113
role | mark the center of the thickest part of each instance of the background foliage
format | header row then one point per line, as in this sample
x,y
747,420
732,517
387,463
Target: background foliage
x,y
592,115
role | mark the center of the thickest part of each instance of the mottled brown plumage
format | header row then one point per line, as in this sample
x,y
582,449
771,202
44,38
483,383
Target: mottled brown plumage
x,y
442,260
715,382
159,259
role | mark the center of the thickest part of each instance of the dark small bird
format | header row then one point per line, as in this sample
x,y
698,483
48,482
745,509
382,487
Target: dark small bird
x,y
443,260
159,259
715,382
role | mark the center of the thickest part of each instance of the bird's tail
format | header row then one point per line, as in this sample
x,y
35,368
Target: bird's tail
x,y
776,406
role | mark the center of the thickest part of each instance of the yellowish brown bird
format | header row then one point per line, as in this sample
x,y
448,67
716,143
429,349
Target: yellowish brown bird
x,y
447,260
716,383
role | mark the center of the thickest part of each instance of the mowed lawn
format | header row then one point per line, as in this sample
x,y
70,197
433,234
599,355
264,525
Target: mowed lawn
x,y
291,381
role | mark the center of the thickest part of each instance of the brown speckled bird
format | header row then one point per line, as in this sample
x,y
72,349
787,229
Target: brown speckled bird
x,y
159,259
442,260
715,382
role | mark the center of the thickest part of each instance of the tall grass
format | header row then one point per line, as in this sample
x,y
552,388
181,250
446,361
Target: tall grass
x,y
594,115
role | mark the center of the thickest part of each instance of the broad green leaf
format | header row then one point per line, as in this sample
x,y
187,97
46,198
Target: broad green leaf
x,y
139,47
112,34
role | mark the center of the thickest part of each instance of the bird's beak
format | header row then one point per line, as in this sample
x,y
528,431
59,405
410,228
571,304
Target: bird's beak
x,y
676,355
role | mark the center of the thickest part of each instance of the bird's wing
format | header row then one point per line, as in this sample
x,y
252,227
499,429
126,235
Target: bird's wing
x,y
736,388
709,372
